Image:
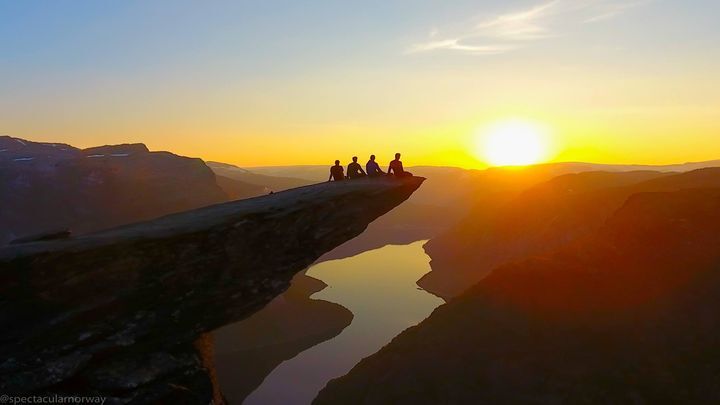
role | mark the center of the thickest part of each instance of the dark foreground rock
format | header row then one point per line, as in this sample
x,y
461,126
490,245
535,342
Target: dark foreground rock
x,y
116,313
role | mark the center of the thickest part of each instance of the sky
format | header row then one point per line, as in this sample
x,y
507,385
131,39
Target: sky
x,y
281,82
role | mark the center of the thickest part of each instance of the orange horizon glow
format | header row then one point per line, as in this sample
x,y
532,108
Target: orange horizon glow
x,y
455,145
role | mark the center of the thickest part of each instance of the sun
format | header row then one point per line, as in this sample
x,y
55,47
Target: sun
x,y
512,143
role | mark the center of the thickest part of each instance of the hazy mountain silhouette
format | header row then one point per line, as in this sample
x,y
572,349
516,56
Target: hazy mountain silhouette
x,y
49,186
546,216
236,189
268,183
625,314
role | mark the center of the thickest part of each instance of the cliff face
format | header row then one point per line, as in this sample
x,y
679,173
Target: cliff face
x,y
627,314
116,312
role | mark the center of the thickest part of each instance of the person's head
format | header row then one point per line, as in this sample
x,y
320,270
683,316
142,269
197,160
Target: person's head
x,y
397,156
372,157
354,159
337,163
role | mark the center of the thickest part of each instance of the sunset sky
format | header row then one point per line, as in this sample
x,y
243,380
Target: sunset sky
x,y
305,82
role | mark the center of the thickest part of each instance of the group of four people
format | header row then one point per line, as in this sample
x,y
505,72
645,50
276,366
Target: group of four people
x,y
372,169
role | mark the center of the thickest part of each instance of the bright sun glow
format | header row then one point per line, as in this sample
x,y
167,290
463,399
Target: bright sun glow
x,y
512,143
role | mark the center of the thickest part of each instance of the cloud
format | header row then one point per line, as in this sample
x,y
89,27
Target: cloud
x,y
456,45
492,35
608,11
523,25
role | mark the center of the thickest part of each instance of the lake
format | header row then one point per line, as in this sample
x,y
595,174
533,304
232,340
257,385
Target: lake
x,y
378,287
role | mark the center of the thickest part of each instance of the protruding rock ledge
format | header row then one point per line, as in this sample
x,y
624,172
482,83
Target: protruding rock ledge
x,y
117,311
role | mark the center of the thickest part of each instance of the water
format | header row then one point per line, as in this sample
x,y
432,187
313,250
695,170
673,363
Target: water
x,y
379,288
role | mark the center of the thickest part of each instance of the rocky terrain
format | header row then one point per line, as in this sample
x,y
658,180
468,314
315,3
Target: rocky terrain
x,y
116,312
625,314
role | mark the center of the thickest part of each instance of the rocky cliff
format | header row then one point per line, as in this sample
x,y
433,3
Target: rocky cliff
x,y
115,312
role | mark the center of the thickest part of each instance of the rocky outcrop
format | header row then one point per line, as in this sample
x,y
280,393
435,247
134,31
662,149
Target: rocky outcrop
x,y
116,312
627,314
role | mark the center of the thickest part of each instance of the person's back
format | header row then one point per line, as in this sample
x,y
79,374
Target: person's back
x,y
337,172
354,170
396,167
372,168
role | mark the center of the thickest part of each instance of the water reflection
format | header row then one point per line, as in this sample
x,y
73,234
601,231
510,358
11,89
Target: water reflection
x,y
379,288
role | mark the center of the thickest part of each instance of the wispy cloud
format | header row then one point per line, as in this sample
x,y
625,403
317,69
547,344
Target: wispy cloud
x,y
457,45
607,11
496,34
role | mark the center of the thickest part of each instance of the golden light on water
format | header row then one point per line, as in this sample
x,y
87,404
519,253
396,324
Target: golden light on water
x,y
514,142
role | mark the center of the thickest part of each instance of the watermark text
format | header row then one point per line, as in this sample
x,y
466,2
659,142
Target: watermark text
x,y
51,399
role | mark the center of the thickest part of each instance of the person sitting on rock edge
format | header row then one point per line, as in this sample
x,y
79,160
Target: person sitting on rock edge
x,y
337,172
354,170
373,168
396,167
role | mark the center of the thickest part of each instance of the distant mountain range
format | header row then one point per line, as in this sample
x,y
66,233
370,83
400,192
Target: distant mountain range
x,y
50,187
269,182
545,216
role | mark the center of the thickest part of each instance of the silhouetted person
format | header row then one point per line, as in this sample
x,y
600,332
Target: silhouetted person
x,y
355,171
337,172
373,168
396,168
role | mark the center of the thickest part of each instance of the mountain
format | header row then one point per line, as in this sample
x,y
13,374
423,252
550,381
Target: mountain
x,y
115,313
268,183
678,167
237,190
314,173
541,218
47,187
625,314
